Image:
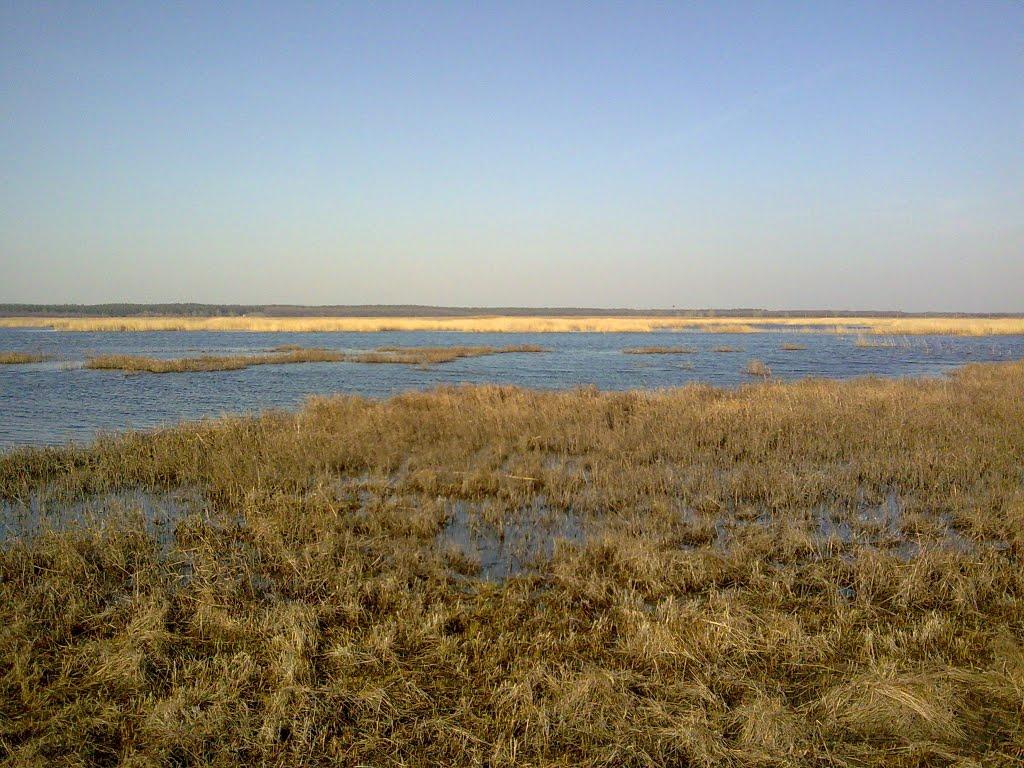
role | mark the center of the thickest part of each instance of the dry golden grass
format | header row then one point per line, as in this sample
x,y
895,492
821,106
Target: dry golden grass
x,y
659,351
290,354
816,573
967,326
21,358
205,363
758,368
430,355
731,327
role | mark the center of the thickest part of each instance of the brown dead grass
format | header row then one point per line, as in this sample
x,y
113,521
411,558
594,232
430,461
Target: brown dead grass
x,y
758,368
311,612
290,354
659,351
431,355
205,363
21,358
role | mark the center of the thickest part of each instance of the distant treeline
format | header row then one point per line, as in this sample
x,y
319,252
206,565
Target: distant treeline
x,y
417,310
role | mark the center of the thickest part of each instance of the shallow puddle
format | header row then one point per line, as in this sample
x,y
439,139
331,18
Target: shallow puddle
x,y
496,551
882,527
160,512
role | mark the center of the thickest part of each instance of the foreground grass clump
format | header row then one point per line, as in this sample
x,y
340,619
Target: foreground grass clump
x,y
21,358
659,351
815,573
290,354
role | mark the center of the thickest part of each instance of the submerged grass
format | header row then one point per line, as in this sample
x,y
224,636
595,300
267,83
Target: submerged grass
x,y
811,573
884,326
289,354
659,351
21,358
888,342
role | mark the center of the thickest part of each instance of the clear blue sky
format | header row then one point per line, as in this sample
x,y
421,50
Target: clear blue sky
x,y
811,154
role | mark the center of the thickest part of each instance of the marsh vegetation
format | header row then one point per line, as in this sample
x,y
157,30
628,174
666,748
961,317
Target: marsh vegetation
x,y
430,355
202,363
881,326
22,358
659,351
291,354
815,573
758,368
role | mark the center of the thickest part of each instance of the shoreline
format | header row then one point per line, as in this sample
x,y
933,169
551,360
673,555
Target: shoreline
x,y
884,326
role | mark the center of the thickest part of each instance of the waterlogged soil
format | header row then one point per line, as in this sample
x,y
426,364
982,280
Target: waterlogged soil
x,y
487,541
156,513
494,550
817,573
58,400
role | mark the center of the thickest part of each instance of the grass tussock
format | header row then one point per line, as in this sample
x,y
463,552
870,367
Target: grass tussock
x,y
726,348
659,351
758,368
792,347
290,354
22,358
880,326
812,573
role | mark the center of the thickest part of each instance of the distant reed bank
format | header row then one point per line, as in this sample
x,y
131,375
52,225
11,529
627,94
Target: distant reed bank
x,y
968,326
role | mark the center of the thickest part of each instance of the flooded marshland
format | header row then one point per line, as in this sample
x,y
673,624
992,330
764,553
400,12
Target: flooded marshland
x,y
808,572
57,399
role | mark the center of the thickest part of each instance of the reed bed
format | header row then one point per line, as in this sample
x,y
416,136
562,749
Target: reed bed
x,y
883,326
206,363
290,354
887,342
727,327
22,358
431,355
809,573
659,351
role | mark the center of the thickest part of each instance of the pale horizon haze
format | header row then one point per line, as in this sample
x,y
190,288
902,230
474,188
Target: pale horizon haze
x,y
779,155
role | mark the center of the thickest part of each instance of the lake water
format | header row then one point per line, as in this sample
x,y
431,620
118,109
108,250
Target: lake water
x,y
59,401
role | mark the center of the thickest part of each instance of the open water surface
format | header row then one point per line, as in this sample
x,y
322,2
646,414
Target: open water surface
x,y
59,401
